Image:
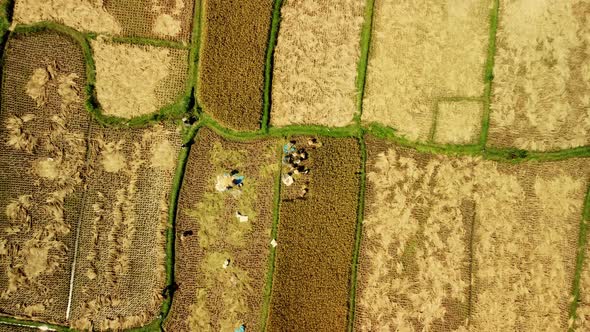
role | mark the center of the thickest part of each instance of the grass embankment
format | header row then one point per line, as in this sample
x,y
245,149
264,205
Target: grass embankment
x,y
232,61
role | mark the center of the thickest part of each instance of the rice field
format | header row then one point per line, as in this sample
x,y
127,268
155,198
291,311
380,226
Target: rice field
x,y
168,20
89,202
231,67
135,80
421,52
463,243
541,91
315,239
223,238
315,63
427,166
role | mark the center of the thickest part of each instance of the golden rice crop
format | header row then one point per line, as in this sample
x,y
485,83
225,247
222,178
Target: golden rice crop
x,y
315,62
426,216
231,64
315,238
133,80
541,90
422,51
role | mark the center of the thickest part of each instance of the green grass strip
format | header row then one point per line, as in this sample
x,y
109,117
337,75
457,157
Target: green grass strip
x,y
489,74
268,66
272,255
582,243
32,324
361,75
358,235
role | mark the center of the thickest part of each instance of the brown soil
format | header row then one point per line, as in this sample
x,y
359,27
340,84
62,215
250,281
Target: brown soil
x,y
417,249
41,286
231,67
315,241
209,297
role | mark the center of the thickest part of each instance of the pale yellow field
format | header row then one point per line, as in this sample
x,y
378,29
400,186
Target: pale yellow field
x,y
84,15
428,216
422,51
134,80
582,322
315,62
458,122
541,90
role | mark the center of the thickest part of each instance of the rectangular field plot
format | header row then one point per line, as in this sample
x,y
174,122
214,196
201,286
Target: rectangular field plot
x,y
461,243
134,80
223,234
315,62
231,66
43,127
541,90
62,175
316,235
422,51
120,268
162,19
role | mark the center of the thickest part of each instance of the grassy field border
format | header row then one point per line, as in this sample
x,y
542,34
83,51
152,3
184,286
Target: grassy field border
x,y
269,64
580,258
273,251
489,73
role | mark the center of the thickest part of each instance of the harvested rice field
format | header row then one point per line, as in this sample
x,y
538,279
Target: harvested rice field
x,y
315,63
223,236
423,53
231,67
541,91
452,244
316,234
158,19
83,240
135,80
295,165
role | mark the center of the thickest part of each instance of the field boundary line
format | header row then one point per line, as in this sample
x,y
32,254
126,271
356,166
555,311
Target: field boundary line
x,y
580,257
273,251
489,73
4,320
358,233
433,124
80,217
362,67
176,187
269,64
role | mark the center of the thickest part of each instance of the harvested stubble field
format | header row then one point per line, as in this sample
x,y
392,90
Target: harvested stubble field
x,y
43,126
315,62
541,90
582,321
421,52
430,220
54,186
316,237
120,270
210,297
162,19
134,80
231,66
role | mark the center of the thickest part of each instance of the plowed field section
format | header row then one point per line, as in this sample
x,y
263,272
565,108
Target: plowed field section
x,y
316,239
